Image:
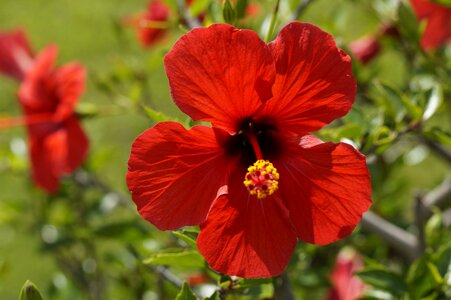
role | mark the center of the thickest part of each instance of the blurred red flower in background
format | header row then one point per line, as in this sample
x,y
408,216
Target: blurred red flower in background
x,y
256,181
57,143
365,49
150,25
438,18
345,284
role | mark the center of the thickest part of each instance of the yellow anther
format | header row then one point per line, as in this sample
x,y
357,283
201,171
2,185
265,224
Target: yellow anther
x,y
261,179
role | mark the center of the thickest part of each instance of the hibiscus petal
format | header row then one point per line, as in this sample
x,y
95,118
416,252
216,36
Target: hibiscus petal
x,y
77,144
42,164
314,82
438,29
33,92
68,84
326,188
15,54
247,236
56,153
174,174
220,74
157,11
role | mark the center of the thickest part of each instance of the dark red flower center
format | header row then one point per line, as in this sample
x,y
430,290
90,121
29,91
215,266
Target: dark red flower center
x,y
256,143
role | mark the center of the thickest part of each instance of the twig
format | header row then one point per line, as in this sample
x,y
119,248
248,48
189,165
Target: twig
x,y
300,9
166,274
437,197
186,15
419,221
86,179
437,148
447,217
282,288
398,238
160,270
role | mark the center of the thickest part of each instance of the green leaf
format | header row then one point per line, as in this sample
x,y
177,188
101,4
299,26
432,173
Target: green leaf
x,y
433,229
382,136
186,238
390,99
384,280
442,259
215,296
408,23
187,259
413,110
228,12
185,293
423,278
157,116
241,6
30,292
249,282
439,135
434,101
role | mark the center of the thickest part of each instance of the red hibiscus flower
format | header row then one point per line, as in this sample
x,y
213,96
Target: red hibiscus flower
x,y
15,54
345,284
365,49
57,144
257,180
438,18
150,25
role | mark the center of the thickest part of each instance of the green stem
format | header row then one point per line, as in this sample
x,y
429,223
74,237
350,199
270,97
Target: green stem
x,y
272,25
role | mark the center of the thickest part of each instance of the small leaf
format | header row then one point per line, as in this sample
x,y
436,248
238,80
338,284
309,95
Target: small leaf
x,y
241,6
157,116
422,277
228,12
186,238
408,23
383,135
384,280
413,109
30,292
439,135
442,258
433,229
214,296
187,259
434,101
249,282
185,293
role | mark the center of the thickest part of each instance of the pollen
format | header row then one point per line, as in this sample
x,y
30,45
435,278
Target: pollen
x,y
261,179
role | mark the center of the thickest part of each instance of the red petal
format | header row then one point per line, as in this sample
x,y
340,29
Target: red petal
x,y
77,145
41,161
57,153
68,84
314,82
247,236
174,174
424,8
220,74
346,285
16,56
157,11
326,188
33,93
438,30
365,49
